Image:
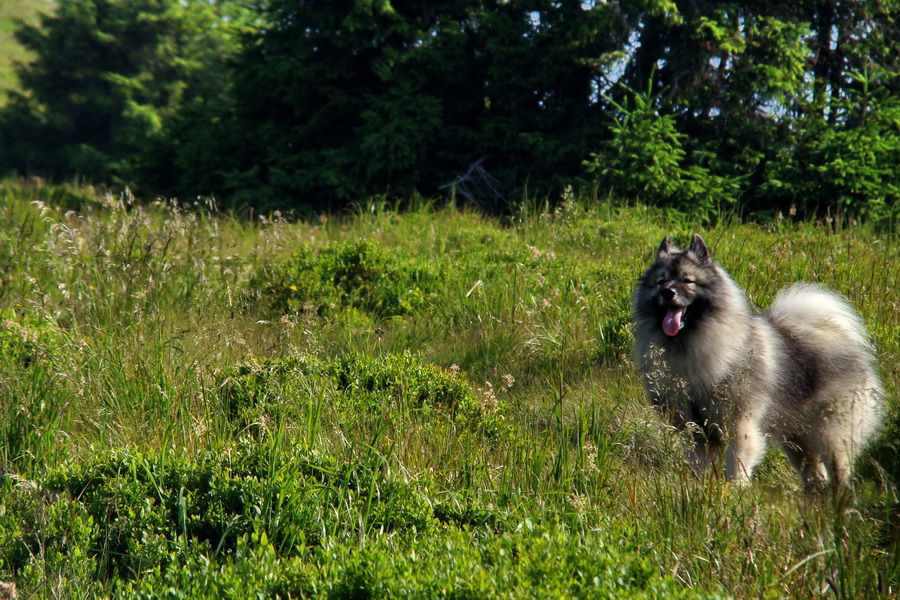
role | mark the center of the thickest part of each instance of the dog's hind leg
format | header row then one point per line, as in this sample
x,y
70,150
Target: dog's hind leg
x,y
704,455
840,469
809,464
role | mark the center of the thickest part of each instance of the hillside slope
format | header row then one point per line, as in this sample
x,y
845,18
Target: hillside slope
x,y
11,11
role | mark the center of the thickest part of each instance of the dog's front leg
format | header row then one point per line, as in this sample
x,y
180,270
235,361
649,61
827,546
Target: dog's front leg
x,y
748,445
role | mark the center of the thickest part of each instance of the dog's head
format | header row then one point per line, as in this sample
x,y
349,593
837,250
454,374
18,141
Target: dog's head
x,y
677,286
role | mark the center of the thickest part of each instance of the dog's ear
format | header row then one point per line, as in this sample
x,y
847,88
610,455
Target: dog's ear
x,y
698,248
665,247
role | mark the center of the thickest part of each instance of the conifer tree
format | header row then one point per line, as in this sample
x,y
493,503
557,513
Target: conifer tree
x,y
105,77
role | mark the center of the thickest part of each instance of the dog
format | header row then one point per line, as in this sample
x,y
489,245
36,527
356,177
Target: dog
x,y
801,374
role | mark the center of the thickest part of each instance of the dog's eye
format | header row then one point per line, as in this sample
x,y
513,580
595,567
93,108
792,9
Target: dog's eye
x,y
687,280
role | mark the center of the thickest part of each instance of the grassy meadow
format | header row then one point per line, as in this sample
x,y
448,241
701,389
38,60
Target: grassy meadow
x,y
426,403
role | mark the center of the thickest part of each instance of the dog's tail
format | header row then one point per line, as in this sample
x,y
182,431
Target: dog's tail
x,y
820,315
824,325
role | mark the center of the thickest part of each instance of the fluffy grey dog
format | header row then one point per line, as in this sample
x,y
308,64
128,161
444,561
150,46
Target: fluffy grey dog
x,y
801,374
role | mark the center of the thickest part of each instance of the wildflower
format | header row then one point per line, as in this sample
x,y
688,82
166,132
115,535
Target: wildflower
x,y
590,457
578,502
199,426
265,424
293,288
487,399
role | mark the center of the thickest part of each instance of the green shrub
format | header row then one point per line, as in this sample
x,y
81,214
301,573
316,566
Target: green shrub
x,y
843,168
647,159
123,514
534,562
403,379
355,385
41,534
24,338
147,510
259,387
362,275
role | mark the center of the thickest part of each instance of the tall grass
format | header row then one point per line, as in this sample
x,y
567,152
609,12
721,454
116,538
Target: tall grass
x,y
419,404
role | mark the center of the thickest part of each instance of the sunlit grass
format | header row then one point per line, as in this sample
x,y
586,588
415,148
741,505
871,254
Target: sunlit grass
x,y
165,422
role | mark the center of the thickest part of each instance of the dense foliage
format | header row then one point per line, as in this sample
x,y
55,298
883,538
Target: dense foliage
x,y
107,81
696,105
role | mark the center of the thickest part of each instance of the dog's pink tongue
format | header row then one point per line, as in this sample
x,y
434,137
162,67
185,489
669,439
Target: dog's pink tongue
x,y
672,322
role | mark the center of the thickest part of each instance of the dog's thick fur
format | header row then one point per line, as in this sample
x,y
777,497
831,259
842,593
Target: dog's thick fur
x,y
802,374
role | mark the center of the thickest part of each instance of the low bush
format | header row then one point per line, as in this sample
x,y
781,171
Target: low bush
x,y
533,562
25,337
362,275
356,385
123,514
